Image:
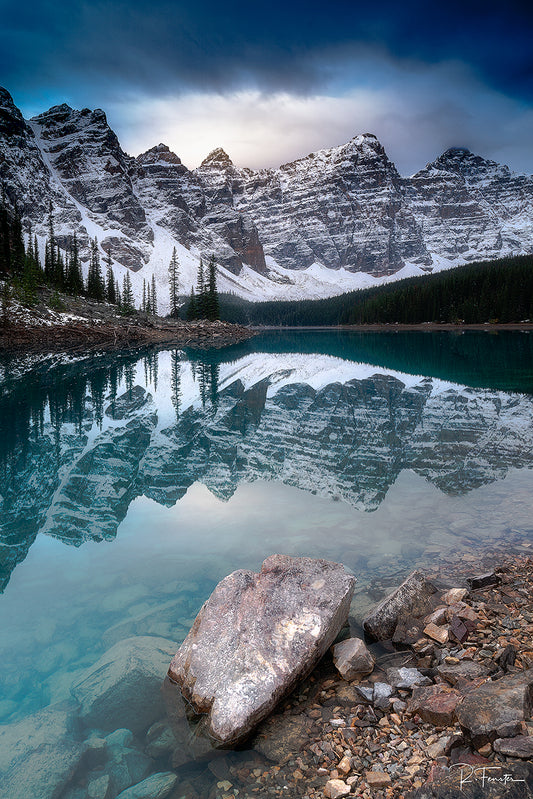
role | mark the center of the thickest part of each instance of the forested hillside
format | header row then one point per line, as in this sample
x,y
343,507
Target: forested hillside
x,y
487,291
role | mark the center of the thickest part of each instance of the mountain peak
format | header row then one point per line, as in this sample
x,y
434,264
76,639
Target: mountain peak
x,y
218,158
161,152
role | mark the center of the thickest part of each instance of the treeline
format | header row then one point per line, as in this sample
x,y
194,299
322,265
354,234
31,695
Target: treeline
x,y
23,272
487,291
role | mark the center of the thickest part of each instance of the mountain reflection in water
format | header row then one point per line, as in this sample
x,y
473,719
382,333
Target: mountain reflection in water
x,y
341,415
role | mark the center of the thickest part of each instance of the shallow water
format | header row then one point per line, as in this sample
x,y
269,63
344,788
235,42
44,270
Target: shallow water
x,y
131,484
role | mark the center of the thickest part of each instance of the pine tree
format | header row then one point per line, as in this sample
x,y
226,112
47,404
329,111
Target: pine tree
x,y
111,295
95,283
18,253
192,310
74,278
50,250
118,296
127,303
5,241
143,306
200,293
154,297
173,279
148,299
212,309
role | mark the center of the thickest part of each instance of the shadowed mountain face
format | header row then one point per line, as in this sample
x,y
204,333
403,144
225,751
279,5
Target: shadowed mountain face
x,y
81,440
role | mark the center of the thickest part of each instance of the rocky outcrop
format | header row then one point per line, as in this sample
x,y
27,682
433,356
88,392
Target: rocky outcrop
x,y
256,637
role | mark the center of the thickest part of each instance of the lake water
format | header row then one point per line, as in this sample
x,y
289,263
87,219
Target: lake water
x,y
131,483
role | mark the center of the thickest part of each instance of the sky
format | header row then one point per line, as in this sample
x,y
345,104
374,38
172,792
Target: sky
x,y
270,82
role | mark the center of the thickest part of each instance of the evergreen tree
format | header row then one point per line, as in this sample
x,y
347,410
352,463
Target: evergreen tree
x,y
127,302
118,296
50,250
212,304
148,299
95,283
111,295
192,310
18,253
5,241
143,306
154,297
74,278
200,293
173,279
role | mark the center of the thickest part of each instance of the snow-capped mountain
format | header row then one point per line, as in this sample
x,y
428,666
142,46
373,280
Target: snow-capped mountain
x,y
335,220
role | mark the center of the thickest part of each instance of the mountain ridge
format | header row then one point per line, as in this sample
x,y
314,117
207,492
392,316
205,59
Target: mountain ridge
x,y
335,220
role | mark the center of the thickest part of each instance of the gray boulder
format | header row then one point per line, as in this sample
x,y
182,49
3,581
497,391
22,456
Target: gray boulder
x,y
256,637
157,786
122,689
40,754
352,659
411,598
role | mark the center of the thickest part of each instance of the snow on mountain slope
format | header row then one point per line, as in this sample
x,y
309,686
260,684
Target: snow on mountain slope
x,y
334,221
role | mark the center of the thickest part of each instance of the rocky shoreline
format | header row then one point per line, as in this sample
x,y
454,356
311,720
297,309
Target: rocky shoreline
x,y
84,335
78,324
445,712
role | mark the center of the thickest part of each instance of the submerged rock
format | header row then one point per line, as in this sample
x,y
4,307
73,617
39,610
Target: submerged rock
x,y
256,637
157,786
40,754
411,598
122,689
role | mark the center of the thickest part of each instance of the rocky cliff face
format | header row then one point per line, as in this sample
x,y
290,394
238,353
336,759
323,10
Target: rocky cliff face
x,y
347,438
345,208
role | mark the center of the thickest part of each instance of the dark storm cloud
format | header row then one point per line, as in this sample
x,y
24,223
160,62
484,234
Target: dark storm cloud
x,y
93,49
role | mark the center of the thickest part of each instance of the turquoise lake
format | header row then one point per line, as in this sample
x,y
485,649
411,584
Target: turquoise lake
x,y
131,483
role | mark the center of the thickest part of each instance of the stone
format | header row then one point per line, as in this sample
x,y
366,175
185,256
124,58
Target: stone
x,y
256,637
99,788
454,595
160,739
483,581
382,694
439,634
406,678
377,779
125,765
519,746
282,735
40,753
486,709
157,786
335,789
464,670
352,659
435,704
344,765
122,689
438,617
411,598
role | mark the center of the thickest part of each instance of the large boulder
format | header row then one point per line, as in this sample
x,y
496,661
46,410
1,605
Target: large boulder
x,y
256,637
411,599
40,754
122,689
